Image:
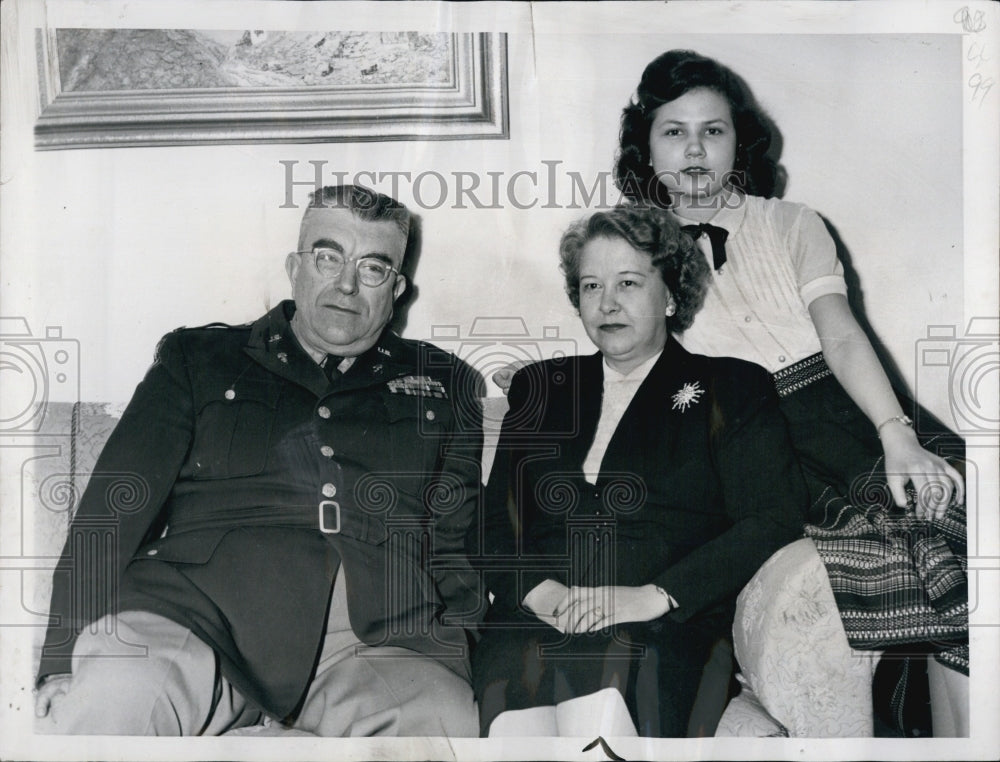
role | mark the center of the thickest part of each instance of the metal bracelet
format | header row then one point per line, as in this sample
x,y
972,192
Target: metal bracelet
x,y
903,419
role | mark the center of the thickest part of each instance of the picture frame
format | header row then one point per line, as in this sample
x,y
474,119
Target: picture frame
x,y
470,102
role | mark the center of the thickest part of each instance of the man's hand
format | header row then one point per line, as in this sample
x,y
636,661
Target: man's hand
x,y
505,375
54,685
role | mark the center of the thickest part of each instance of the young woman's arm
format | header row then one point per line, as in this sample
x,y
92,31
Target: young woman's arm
x,y
850,356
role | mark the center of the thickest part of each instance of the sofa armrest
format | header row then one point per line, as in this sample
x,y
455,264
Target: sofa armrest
x,y
793,652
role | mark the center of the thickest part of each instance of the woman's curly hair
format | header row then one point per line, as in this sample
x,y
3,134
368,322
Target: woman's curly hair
x,y
667,78
651,230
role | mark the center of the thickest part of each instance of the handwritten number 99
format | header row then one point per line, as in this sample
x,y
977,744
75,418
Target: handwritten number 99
x,y
980,86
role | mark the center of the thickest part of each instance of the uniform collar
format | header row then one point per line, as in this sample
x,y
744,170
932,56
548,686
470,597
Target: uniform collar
x,y
273,344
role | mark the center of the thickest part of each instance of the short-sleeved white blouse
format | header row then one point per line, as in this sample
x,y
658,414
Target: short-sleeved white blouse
x,y
780,258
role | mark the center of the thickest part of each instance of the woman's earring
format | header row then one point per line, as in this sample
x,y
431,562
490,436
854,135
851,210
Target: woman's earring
x,y
671,309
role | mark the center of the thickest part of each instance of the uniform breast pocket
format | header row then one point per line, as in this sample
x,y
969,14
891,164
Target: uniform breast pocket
x,y
233,436
417,427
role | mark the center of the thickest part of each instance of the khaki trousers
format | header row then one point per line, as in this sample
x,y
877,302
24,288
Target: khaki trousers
x,y
178,688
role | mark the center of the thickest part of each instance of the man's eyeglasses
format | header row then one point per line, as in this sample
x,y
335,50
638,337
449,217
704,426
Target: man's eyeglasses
x,y
372,271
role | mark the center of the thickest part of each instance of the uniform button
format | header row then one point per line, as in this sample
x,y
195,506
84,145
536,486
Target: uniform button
x,y
324,411
781,358
326,451
430,415
746,319
230,394
329,490
152,552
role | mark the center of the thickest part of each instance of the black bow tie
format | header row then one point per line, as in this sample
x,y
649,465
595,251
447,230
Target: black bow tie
x,y
329,366
716,235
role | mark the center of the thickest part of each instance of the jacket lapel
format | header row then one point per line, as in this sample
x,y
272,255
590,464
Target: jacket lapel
x,y
650,423
274,346
582,406
379,365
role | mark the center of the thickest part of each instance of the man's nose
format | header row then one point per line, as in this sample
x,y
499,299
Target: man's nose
x,y
347,281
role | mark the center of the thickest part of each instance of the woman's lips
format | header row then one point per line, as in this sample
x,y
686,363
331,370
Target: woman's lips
x,y
613,327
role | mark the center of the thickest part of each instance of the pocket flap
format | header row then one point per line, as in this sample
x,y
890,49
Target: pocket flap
x,y
195,547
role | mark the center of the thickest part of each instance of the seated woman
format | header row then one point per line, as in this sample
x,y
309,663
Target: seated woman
x,y
635,491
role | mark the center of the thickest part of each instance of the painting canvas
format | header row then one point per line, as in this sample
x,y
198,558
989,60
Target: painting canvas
x,y
108,87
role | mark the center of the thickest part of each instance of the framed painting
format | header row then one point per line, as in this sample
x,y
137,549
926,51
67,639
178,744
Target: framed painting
x,y
101,88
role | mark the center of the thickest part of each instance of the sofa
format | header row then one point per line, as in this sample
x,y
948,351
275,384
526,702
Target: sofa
x,y
798,676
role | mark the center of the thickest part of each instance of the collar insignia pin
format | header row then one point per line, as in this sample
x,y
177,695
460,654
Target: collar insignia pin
x,y
686,396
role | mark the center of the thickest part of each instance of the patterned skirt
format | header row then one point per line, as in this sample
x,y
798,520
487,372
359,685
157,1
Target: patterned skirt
x,y
898,580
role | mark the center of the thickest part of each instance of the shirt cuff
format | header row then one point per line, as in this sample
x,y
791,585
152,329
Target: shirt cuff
x,y
826,284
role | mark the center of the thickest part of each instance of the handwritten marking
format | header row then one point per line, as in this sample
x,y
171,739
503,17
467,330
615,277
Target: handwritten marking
x,y
971,22
980,86
977,54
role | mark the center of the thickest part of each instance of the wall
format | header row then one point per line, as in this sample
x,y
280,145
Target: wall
x,y
885,134
118,246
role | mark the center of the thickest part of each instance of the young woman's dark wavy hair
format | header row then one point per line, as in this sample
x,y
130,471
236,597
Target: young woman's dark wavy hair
x,y
667,78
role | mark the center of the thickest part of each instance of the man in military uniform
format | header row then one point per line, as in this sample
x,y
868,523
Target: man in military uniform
x,y
293,542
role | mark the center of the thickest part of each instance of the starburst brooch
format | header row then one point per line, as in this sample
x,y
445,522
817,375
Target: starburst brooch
x,y
686,396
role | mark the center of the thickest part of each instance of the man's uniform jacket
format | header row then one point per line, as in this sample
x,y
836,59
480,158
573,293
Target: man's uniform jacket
x,y
239,480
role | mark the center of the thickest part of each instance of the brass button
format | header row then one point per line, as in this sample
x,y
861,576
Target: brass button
x,y
152,552
326,451
230,394
324,411
329,490
430,415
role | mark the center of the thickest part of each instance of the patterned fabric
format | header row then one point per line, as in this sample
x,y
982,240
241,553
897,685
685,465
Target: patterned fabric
x,y
897,579
801,374
795,661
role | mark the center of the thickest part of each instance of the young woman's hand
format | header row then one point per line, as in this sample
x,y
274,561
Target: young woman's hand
x,y
934,480
587,609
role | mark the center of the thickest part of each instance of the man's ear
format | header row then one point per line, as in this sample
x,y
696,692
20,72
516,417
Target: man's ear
x,y
292,263
399,288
